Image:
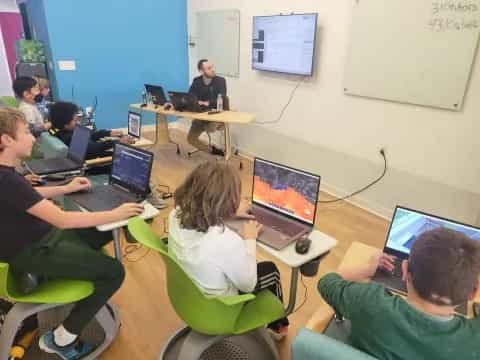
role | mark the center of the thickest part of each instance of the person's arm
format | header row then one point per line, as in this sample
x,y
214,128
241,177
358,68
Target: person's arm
x,y
48,212
98,149
97,135
77,184
194,88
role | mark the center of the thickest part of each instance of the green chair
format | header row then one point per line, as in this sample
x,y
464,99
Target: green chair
x,y
233,326
47,296
9,101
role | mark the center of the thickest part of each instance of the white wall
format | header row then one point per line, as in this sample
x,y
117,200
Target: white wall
x,y
5,81
433,154
8,6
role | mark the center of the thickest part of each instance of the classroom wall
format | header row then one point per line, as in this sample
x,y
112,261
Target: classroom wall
x,y
117,46
433,154
10,31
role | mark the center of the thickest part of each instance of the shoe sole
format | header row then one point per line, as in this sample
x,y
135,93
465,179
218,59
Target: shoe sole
x,y
45,348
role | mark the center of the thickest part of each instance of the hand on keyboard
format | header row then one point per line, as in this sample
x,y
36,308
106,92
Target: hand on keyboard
x,y
128,210
251,230
387,263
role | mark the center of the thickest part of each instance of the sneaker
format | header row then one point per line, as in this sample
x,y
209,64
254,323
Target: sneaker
x,y
216,151
75,351
278,333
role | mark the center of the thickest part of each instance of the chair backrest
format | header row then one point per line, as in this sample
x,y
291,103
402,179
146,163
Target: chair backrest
x,y
311,345
206,315
9,101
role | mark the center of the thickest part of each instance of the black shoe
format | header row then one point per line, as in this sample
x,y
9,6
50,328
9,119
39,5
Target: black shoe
x,y
216,151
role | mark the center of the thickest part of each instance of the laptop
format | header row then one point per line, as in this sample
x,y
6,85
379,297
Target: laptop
x,y
129,181
284,201
156,93
182,101
74,160
134,124
405,227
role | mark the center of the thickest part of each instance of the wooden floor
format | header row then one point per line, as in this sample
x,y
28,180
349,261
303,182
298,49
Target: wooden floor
x,y
147,317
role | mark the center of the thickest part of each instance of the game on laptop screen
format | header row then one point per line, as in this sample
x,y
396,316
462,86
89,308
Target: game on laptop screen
x,y
407,225
132,167
286,190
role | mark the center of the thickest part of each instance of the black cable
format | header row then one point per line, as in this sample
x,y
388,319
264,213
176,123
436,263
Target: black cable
x,y
365,187
304,296
285,107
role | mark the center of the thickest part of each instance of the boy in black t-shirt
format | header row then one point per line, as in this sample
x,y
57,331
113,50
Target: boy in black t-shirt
x,y
38,237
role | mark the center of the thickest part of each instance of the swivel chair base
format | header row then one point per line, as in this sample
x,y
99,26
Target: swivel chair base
x,y
102,331
187,344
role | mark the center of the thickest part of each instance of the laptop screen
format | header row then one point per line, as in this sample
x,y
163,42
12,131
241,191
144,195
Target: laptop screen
x,y
156,93
134,124
131,168
79,144
286,190
408,224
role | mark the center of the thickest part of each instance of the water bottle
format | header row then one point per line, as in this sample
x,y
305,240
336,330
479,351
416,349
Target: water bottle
x,y
219,102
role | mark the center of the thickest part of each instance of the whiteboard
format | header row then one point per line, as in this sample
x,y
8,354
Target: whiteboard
x,y
412,51
218,40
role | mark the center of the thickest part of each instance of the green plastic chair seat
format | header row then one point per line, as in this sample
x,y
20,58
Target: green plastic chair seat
x,y
208,315
9,101
50,292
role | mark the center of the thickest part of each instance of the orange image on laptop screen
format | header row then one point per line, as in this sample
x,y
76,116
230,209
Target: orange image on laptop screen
x,y
286,190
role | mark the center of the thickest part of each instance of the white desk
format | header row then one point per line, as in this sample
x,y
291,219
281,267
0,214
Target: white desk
x,y
149,212
321,244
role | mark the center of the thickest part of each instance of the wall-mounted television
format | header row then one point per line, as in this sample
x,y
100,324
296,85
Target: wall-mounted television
x,y
284,43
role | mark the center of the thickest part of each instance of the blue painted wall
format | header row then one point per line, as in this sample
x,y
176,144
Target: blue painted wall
x,y
118,45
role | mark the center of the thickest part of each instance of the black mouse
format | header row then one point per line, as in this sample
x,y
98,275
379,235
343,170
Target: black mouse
x,y
302,245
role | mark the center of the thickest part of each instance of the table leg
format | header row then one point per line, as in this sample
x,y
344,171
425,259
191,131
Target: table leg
x,y
228,142
117,244
162,135
292,298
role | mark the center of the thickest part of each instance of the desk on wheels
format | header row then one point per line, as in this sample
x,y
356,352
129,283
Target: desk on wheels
x,y
226,117
357,255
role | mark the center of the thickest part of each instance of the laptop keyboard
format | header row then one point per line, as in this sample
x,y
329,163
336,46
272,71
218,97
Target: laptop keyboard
x,y
114,195
397,271
288,228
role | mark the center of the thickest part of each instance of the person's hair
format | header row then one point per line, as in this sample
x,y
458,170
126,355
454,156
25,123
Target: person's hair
x,y
22,84
210,195
61,113
444,265
200,64
42,82
9,120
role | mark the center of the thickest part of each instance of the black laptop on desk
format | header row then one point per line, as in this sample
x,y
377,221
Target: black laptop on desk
x,y
129,181
182,101
74,160
406,226
156,93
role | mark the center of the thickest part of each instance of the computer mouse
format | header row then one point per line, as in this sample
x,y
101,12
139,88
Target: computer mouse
x,y
167,106
303,245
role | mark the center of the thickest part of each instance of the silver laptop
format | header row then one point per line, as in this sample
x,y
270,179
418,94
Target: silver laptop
x,y
406,226
284,201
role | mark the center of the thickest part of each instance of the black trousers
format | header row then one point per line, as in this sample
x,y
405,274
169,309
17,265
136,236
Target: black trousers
x,y
269,279
74,255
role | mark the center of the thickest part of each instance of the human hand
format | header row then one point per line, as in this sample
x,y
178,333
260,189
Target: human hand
x,y
203,103
47,125
116,133
251,229
127,140
128,210
78,184
168,106
34,180
244,209
367,270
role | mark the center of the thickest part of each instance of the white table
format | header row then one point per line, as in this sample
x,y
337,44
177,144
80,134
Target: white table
x,y
321,244
149,212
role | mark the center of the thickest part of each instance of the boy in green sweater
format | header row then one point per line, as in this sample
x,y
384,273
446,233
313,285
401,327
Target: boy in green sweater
x,y
442,272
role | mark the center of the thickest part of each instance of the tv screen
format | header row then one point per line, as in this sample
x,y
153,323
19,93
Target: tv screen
x,y
284,43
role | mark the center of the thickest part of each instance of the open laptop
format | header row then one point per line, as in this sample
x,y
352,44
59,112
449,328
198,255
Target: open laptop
x,y
182,101
74,160
406,226
129,181
156,93
284,201
134,124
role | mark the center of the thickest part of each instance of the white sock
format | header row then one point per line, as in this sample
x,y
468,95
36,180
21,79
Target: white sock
x,y
62,337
